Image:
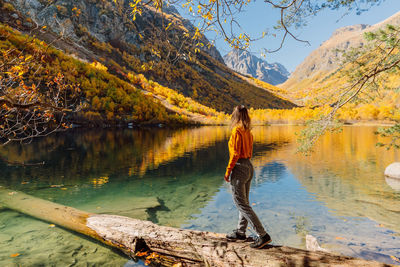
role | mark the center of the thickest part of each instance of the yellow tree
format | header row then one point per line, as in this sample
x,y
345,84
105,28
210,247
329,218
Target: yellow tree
x,y
29,109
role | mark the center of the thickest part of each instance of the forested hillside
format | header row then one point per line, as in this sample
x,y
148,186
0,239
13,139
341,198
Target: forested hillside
x,y
322,73
103,95
179,58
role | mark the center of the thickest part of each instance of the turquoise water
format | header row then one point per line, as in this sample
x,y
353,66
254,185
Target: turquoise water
x,y
175,177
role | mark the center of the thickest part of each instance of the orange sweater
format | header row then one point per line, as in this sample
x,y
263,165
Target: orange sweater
x,y
240,146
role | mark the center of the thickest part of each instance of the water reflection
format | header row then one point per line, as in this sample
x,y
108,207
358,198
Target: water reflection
x,y
346,173
271,172
338,190
120,172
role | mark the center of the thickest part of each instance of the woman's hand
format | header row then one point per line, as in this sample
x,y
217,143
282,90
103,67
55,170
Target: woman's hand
x,y
227,178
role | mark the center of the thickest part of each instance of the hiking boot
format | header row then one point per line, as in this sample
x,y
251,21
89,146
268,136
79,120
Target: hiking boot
x,y
261,242
235,235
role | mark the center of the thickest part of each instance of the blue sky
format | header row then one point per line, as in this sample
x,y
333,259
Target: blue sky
x,y
259,17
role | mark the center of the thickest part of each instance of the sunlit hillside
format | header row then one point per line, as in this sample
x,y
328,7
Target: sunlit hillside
x,y
179,58
320,76
105,97
123,84
382,109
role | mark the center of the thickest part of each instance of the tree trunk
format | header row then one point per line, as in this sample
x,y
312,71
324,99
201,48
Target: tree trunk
x,y
194,248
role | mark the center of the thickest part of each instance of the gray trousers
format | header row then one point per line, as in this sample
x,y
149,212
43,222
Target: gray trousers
x,y
241,177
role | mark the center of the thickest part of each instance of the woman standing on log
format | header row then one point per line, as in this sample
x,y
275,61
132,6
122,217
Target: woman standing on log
x,y
240,173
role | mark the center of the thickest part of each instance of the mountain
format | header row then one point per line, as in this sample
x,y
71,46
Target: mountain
x,y
326,56
317,75
246,63
103,31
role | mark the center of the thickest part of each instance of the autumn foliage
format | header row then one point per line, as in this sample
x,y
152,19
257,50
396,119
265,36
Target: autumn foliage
x,y
31,107
103,97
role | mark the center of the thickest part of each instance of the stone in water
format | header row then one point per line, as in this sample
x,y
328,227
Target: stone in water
x,y
393,170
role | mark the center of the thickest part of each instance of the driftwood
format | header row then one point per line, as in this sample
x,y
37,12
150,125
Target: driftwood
x,y
192,248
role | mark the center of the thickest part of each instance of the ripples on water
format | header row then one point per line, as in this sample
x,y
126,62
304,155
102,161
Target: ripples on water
x,y
175,178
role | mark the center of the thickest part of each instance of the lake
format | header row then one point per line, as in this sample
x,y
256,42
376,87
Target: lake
x,y
175,177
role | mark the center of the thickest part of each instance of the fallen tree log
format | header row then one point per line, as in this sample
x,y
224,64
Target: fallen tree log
x,y
191,248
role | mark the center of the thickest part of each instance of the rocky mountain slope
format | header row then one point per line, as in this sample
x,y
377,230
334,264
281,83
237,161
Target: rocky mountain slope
x,y
103,31
317,71
246,63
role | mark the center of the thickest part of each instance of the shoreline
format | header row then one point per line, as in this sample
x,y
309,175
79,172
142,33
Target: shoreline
x,y
195,125
346,123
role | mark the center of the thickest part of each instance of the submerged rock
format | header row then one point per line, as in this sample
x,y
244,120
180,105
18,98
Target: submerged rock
x,y
393,170
394,183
